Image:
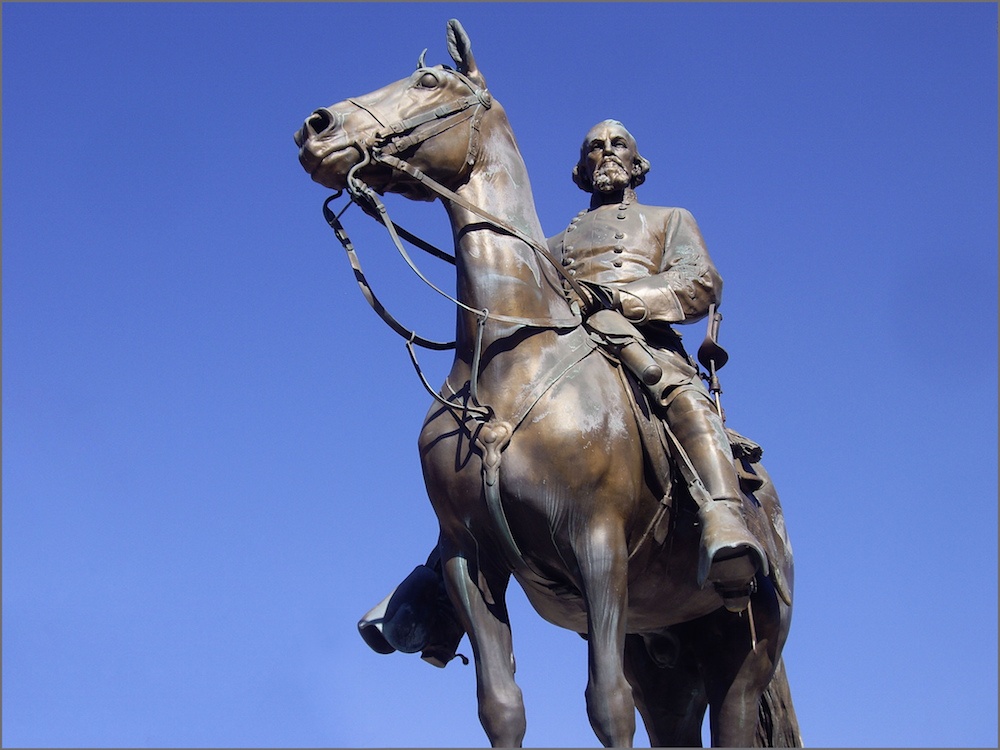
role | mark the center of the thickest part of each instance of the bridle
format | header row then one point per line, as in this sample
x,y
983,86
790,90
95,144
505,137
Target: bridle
x,y
396,137
383,147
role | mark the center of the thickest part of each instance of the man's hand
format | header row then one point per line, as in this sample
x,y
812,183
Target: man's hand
x,y
598,298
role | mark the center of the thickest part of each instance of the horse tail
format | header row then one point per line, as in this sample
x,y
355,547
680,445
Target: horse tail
x,y
777,725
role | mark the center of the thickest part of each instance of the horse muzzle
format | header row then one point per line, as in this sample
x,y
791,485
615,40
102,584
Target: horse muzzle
x,y
326,152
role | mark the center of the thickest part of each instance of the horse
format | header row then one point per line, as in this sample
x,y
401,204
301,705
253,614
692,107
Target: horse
x,y
533,460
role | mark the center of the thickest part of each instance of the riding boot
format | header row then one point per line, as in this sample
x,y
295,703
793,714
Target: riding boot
x,y
730,555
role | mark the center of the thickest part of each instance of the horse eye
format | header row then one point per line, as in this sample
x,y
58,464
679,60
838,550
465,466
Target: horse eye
x,y
428,81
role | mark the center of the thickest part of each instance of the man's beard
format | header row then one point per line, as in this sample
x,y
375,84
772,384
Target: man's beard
x,y
611,176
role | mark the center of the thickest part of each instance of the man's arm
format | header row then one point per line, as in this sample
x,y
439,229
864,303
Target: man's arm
x,y
687,283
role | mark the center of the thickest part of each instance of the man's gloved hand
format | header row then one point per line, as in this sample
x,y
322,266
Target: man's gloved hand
x,y
598,298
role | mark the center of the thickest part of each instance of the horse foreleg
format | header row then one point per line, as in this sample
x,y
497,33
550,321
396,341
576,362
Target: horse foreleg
x,y
478,596
603,560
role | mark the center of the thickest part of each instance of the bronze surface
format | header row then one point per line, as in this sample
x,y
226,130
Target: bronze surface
x,y
535,452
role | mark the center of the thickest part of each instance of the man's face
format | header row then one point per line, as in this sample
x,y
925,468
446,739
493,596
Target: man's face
x,y
609,153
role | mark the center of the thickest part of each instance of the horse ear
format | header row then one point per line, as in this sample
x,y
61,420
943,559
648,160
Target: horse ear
x,y
460,49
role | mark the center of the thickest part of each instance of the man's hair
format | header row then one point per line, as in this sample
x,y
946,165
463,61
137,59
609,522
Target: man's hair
x,y
637,171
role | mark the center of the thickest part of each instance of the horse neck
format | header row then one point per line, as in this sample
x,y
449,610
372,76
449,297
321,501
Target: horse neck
x,y
498,272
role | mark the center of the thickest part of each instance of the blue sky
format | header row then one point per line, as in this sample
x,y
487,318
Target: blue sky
x,y
209,463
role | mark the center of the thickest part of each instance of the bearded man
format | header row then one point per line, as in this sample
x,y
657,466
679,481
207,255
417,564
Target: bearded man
x,y
642,269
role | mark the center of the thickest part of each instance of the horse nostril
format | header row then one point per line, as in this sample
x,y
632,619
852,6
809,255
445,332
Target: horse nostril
x,y
320,121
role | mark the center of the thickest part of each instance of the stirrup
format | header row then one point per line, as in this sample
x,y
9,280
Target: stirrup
x,y
729,578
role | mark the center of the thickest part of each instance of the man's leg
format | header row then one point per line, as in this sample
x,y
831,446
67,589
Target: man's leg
x,y
731,555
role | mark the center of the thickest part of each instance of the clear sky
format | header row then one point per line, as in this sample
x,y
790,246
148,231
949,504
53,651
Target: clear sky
x,y
209,461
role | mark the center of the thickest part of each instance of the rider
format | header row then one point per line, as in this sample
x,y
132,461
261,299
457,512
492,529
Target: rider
x,y
641,269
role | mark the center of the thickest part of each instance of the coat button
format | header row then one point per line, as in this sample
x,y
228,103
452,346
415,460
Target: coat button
x,y
617,263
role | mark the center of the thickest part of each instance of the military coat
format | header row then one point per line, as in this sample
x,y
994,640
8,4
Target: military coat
x,y
656,258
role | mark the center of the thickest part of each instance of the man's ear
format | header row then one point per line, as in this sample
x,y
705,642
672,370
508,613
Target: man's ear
x,y
639,170
460,49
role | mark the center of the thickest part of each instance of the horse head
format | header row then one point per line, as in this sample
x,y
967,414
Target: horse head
x,y
431,119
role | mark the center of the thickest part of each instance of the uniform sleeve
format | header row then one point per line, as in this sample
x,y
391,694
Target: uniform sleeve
x,y
686,284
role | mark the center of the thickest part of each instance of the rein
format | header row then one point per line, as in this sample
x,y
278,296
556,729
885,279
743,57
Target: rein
x,y
498,223
382,148
338,228
411,336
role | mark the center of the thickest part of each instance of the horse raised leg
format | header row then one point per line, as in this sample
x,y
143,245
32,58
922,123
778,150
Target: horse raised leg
x,y
603,559
479,597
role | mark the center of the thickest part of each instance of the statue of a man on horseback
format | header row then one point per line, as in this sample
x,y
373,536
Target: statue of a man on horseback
x,y
572,446
642,269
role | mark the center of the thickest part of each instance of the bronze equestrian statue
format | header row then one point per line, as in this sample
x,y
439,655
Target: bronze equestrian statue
x,y
567,446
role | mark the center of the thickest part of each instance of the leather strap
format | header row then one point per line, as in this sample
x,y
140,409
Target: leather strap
x,y
499,223
334,221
